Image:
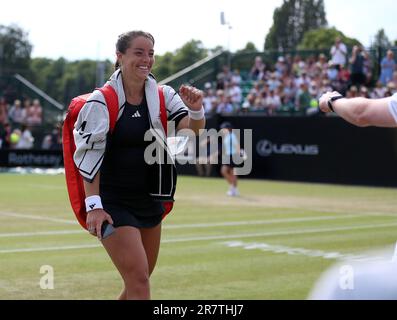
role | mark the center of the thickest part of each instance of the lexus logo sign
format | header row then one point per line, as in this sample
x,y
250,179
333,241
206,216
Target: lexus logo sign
x,y
266,148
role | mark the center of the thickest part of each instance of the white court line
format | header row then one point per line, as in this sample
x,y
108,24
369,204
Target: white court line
x,y
214,224
36,217
43,233
44,249
221,237
301,251
257,222
184,226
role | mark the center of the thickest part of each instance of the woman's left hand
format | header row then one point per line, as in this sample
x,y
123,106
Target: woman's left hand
x,y
191,97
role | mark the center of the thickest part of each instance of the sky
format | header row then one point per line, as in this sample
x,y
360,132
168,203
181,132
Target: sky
x,y
79,29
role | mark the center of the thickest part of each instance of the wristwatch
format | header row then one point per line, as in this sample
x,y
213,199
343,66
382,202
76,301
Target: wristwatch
x,y
332,99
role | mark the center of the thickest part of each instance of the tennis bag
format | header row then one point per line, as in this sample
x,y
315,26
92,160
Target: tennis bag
x,y
74,180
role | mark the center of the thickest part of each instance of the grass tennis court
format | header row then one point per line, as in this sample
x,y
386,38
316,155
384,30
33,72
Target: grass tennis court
x,y
273,242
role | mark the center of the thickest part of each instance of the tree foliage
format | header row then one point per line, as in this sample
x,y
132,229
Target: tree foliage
x,y
249,47
15,50
292,20
63,79
381,40
324,38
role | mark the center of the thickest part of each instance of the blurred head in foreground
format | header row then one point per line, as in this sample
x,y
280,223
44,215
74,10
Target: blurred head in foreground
x,y
372,277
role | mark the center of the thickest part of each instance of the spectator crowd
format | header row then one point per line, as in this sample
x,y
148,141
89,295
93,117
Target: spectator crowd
x,y
293,84
18,121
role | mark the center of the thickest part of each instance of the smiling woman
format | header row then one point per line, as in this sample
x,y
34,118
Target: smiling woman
x,y
123,189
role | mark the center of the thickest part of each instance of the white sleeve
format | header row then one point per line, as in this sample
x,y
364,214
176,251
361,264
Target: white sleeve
x,y
344,49
393,106
176,109
89,133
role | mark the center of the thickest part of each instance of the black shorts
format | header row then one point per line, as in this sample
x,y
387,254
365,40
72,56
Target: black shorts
x,y
139,213
229,161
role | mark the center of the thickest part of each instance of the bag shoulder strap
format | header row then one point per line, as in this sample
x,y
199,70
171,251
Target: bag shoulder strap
x,y
112,103
163,110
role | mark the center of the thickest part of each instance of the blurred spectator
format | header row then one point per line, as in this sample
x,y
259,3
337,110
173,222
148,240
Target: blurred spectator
x,y
26,138
313,90
367,68
223,78
272,103
281,67
364,92
5,133
26,104
248,103
388,66
287,104
352,92
206,158
391,89
47,142
236,77
379,91
34,115
303,100
257,88
344,75
339,53
273,82
225,105
298,66
53,141
258,69
259,105
321,66
3,111
325,86
209,101
303,79
234,92
333,71
289,89
288,64
17,113
357,77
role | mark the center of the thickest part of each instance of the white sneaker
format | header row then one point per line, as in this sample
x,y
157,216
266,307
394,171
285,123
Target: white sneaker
x,y
233,192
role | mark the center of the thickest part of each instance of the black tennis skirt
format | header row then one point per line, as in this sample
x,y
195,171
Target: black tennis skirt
x,y
139,211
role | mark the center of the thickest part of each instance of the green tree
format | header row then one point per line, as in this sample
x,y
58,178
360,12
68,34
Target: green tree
x,y
190,53
243,59
381,40
249,47
15,50
292,20
163,66
62,79
324,39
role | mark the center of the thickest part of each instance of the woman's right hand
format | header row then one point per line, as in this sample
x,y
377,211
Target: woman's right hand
x,y
95,219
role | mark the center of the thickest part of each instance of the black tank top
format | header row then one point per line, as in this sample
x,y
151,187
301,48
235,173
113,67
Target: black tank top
x,y
124,170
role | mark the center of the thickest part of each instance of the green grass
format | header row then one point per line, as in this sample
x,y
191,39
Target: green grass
x,y
194,261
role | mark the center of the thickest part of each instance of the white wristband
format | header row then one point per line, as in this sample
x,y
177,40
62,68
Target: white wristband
x,y
92,203
196,115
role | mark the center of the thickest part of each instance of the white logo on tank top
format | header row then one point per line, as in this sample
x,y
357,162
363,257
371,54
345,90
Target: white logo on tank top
x,y
136,114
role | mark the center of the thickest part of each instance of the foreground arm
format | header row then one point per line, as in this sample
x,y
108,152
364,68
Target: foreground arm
x,y
361,112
